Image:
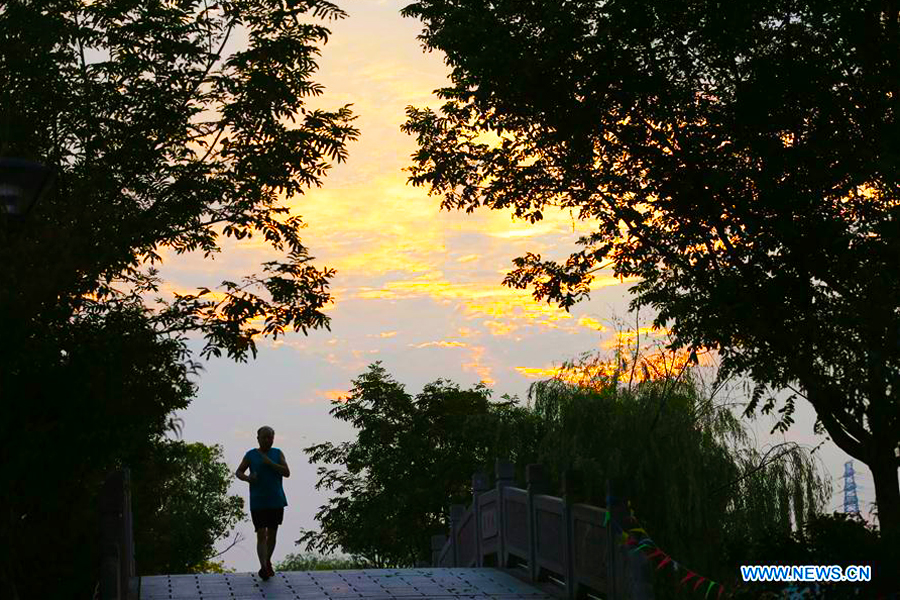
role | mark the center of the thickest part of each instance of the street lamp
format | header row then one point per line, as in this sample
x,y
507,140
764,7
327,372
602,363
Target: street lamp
x,y
22,184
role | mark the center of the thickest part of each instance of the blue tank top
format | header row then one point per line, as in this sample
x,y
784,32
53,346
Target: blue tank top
x,y
266,491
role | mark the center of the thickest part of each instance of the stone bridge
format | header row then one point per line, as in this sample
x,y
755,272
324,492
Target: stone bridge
x,y
511,543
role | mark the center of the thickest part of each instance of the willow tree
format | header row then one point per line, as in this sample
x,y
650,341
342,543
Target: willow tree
x,y
740,158
694,480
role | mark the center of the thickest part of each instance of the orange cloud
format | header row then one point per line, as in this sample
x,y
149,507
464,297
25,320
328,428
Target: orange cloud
x,y
333,394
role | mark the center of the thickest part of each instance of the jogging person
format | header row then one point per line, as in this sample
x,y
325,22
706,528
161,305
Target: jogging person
x,y
267,499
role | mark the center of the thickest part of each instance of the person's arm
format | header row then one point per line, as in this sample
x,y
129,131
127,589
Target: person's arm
x,y
245,464
280,467
286,472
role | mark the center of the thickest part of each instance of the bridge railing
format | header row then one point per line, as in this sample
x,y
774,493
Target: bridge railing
x,y
552,538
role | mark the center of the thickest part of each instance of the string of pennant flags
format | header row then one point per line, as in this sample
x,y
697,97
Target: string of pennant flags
x,y
630,537
641,541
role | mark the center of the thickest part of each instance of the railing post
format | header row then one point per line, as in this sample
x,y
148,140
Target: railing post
x,y
612,583
534,477
570,481
506,473
456,514
479,485
130,571
437,544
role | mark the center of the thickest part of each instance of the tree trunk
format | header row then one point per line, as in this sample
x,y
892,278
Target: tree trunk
x,y
887,498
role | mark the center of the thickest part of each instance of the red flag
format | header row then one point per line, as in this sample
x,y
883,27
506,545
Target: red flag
x,y
699,581
663,562
721,589
655,552
686,577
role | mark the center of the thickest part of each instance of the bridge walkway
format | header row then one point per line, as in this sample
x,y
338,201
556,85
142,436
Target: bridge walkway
x,y
368,584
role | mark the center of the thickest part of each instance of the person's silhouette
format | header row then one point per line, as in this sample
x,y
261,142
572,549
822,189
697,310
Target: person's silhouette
x,y
267,500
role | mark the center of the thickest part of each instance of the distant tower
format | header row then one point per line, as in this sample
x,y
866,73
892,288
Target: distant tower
x,y
851,504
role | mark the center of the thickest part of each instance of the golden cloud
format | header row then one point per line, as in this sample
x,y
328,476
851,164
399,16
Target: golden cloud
x,y
600,372
441,344
624,338
540,228
498,328
504,309
377,294
537,373
484,372
475,363
591,323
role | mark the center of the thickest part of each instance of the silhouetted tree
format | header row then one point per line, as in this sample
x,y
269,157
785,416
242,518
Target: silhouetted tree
x,y
78,399
741,158
181,506
646,419
162,139
411,459
158,138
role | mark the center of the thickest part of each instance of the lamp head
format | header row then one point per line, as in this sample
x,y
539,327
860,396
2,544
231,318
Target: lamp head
x,y
22,184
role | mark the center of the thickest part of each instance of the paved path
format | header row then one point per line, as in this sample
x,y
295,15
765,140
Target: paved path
x,y
369,584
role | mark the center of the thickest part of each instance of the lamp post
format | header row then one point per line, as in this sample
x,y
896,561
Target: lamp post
x,y
22,184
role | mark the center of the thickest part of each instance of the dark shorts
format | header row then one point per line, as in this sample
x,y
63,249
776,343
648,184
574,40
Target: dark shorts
x,y
267,517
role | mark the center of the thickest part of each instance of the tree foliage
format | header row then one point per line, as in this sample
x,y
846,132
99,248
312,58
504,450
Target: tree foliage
x,y
740,158
78,399
181,506
211,566
688,465
159,142
315,562
157,138
831,539
412,458
695,481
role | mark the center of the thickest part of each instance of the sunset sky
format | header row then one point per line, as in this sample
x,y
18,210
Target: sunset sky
x,y
416,288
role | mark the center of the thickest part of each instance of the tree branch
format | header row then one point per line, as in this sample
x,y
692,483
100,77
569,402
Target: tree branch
x,y
763,463
237,539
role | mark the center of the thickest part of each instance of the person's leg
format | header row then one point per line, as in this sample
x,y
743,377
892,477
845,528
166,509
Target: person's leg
x,y
276,518
259,525
262,550
273,531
